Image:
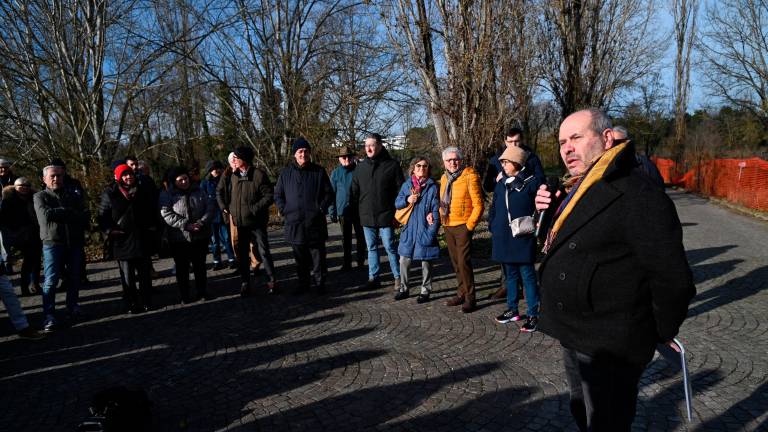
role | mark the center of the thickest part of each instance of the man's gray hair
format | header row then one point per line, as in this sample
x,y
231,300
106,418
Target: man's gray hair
x,y
49,167
622,130
452,149
599,120
376,137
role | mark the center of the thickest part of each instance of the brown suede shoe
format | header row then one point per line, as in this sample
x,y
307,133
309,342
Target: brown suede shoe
x,y
468,306
500,293
455,301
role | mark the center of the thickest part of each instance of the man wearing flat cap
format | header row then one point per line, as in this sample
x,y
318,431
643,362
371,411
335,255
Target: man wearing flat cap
x,y
344,210
302,194
250,197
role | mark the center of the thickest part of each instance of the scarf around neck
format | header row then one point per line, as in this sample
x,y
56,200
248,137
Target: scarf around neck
x,y
418,184
594,173
445,200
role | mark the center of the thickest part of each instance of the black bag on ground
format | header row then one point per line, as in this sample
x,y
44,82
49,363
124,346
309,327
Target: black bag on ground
x,y
118,409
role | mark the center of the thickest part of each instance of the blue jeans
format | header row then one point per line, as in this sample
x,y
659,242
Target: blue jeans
x,y
387,236
219,238
12,304
530,287
59,262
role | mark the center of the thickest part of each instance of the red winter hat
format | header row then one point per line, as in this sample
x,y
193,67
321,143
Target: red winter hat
x,y
120,170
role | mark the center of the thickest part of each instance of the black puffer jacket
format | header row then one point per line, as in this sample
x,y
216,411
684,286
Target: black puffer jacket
x,y
375,185
302,195
136,218
247,198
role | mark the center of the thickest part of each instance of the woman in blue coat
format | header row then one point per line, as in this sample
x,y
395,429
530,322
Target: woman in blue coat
x,y
513,198
418,237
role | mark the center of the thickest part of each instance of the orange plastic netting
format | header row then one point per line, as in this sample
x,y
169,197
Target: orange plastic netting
x,y
742,181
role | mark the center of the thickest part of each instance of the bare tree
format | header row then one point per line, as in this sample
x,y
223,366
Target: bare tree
x,y
480,92
684,13
79,76
734,48
593,49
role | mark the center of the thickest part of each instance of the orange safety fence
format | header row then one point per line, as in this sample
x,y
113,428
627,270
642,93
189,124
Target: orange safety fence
x,y
742,181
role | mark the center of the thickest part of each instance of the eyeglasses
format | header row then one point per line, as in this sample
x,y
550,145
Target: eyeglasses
x,y
452,160
421,165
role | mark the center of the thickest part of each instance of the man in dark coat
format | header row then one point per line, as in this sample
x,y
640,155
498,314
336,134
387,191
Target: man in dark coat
x,y
375,186
302,194
128,217
512,138
645,165
344,211
614,279
142,179
6,173
18,224
247,202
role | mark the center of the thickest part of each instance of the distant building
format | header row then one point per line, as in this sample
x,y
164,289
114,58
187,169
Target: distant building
x,y
394,142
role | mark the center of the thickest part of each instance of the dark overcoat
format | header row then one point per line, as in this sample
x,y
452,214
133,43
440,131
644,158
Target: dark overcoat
x,y
520,192
616,280
302,194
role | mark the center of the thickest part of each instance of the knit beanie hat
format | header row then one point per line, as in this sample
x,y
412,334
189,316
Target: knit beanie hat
x,y
244,153
175,172
514,154
300,143
212,165
120,170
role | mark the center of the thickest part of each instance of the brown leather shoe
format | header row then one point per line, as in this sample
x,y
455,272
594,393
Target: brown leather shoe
x,y
500,293
455,301
468,306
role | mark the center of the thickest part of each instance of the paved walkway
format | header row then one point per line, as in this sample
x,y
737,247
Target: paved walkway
x,y
355,360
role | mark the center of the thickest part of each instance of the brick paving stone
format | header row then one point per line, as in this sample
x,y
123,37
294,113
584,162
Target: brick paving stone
x,y
354,360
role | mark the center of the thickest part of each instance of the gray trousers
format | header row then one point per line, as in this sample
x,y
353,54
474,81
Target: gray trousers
x,y
426,274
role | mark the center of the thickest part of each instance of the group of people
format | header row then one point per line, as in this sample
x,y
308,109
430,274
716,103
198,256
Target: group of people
x,y
613,281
